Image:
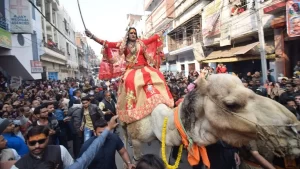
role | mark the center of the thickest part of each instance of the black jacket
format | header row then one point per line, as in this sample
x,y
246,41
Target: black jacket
x,y
94,112
75,113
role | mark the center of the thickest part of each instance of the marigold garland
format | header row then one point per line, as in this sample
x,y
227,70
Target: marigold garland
x,y
163,148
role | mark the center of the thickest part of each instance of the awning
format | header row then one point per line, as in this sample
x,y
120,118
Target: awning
x,y
14,67
228,53
237,59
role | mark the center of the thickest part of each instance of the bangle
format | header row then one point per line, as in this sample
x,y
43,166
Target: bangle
x,y
91,36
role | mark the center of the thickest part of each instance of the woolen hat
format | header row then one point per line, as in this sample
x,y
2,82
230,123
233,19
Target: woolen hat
x,y
3,124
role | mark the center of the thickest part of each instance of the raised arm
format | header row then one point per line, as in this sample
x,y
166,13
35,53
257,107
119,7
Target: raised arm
x,y
102,42
88,156
151,39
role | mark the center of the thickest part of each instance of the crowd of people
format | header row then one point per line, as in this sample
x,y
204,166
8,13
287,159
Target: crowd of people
x,y
40,118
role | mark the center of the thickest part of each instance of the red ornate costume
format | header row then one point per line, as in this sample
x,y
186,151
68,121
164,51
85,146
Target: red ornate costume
x,y
142,87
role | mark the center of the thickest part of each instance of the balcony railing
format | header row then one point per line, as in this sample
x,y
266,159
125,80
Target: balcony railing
x,y
3,23
54,48
180,43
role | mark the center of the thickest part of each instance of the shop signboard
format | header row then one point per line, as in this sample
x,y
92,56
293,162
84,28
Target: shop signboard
x,y
21,16
36,66
5,39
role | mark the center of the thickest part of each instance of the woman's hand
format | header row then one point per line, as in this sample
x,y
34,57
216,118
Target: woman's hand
x,y
88,33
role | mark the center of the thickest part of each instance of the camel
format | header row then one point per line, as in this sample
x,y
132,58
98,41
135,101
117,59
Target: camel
x,y
221,108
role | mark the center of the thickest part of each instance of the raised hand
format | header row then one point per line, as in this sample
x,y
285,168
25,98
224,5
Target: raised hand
x,y
112,123
88,33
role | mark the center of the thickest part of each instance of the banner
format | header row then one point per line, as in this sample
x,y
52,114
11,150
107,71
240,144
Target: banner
x,y
293,18
5,39
225,39
15,82
211,18
20,16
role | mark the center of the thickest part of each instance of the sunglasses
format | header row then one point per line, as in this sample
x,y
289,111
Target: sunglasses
x,y
33,143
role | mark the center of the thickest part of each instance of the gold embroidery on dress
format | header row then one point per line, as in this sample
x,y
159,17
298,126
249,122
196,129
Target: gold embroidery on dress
x,y
131,58
130,99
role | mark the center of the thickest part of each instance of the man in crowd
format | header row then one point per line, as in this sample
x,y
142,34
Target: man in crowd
x,y
7,155
14,141
112,144
45,156
76,118
108,106
91,113
40,151
44,120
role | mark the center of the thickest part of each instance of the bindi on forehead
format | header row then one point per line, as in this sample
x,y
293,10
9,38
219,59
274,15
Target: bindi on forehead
x,y
37,137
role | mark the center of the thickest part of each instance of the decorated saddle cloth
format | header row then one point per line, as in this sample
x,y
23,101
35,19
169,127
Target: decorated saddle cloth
x,y
140,91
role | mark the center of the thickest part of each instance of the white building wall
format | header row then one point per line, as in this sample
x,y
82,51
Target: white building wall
x,y
72,56
65,40
24,53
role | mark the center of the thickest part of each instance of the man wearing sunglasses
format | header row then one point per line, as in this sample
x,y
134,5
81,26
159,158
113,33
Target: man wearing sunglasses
x,y
41,152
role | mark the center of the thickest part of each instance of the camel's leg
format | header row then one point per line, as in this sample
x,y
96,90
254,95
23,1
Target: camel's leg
x,y
137,150
124,127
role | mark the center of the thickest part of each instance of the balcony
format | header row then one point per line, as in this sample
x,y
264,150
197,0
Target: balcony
x,y
160,16
180,43
54,48
150,5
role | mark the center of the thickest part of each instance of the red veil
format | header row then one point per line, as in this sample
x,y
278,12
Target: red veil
x,y
113,65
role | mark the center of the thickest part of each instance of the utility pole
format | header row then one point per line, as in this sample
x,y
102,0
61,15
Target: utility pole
x,y
261,37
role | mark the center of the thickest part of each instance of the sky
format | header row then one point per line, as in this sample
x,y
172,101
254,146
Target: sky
x,y
107,19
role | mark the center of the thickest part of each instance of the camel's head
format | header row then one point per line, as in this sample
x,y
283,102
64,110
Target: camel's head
x,y
221,108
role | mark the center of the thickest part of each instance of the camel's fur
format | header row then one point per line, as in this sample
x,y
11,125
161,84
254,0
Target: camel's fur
x,y
206,122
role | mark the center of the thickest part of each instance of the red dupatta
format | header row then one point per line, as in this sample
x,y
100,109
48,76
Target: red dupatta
x,y
113,65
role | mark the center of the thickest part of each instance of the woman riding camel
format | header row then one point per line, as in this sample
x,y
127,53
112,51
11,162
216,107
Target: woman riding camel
x,y
142,87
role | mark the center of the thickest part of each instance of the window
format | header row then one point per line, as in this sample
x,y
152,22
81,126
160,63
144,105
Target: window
x,y
68,50
66,25
238,6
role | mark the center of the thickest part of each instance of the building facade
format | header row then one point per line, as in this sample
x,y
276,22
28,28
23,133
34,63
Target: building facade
x,y
60,59
202,33
21,40
185,39
161,15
